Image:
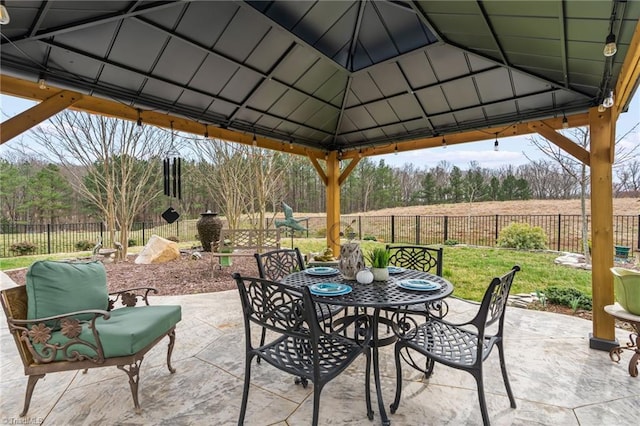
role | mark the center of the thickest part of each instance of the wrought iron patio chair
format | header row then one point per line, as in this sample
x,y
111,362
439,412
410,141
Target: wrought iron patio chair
x,y
299,346
274,265
463,346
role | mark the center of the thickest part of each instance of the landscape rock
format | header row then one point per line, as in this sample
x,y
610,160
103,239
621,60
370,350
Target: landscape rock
x,y
573,260
158,250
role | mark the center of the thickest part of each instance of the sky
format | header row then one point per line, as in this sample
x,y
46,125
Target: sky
x,y
512,151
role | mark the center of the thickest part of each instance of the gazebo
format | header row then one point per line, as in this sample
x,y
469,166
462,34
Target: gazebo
x,y
338,81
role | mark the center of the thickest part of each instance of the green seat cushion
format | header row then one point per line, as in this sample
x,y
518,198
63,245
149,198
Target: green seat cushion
x,y
128,331
56,288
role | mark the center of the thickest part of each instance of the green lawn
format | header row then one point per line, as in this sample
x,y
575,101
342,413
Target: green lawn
x,y
469,269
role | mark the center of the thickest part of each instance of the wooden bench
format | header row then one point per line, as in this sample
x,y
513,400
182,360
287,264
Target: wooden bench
x,y
243,242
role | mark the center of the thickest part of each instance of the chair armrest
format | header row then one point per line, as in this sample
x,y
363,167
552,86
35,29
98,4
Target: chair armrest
x,y
36,336
129,297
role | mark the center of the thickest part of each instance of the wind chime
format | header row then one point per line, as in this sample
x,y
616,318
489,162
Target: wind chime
x,y
172,179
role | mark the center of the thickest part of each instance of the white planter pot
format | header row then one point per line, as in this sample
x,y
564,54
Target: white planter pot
x,y
380,274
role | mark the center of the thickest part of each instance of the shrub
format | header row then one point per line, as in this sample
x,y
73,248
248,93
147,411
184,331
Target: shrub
x,y
369,238
570,297
84,245
522,236
451,242
23,248
173,238
131,242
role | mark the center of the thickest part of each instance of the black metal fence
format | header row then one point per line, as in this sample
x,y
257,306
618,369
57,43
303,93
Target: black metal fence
x,y
564,232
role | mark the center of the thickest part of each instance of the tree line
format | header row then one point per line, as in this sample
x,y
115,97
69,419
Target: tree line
x,y
91,168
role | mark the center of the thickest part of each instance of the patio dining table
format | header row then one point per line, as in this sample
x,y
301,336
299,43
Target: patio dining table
x,y
377,296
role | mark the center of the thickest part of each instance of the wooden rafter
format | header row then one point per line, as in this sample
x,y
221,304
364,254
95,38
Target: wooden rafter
x,y
347,171
561,141
37,114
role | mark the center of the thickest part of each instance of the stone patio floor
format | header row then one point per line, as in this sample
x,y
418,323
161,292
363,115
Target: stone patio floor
x,y
556,379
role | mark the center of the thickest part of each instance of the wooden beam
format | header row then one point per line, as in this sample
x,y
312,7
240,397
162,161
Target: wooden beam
x,y
347,171
465,137
333,203
561,141
602,130
320,170
30,90
35,115
629,73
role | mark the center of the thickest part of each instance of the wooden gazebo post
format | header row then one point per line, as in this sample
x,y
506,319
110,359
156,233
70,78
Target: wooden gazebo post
x,y
333,202
602,130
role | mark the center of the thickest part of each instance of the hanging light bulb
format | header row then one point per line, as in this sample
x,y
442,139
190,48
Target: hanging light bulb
x,y
395,150
42,82
565,122
139,123
360,153
601,108
608,101
444,143
255,141
610,47
496,144
4,15
326,156
290,143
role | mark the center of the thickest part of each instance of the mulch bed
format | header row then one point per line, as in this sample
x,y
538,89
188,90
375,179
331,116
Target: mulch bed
x,y
181,276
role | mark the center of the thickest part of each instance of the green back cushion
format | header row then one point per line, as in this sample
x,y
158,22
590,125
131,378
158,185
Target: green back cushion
x,y
56,288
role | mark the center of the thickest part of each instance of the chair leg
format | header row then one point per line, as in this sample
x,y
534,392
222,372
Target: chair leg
x,y
245,389
317,389
367,385
483,402
263,336
505,377
31,383
396,401
172,342
133,372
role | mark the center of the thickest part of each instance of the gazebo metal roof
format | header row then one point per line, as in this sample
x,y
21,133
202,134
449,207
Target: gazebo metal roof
x,y
330,75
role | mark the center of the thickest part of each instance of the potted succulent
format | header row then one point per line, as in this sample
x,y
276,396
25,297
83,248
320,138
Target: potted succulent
x,y
379,259
226,248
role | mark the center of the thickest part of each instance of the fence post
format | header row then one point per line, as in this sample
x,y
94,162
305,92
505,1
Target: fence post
x,y
178,228
48,238
639,232
417,229
559,229
393,229
144,222
496,233
446,228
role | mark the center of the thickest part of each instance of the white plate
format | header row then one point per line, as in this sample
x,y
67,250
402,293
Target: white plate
x,y
321,271
418,284
329,289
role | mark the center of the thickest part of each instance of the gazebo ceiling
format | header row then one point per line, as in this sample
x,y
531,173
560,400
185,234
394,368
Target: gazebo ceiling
x,y
328,74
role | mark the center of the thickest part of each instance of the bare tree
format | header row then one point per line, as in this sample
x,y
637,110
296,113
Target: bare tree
x,y
118,164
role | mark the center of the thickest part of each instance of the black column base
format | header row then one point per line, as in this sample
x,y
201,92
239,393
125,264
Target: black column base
x,y
602,344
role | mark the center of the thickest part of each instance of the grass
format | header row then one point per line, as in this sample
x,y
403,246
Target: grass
x,y
470,269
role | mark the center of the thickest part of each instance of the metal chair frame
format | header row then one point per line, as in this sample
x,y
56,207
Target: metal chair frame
x,y
457,345
297,343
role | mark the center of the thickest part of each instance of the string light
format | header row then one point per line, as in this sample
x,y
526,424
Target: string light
x,y
326,156
290,143
139,122
42,83
206,131
360,153
255,141
565,122
444,143
396,150
496,144
610,47
608,101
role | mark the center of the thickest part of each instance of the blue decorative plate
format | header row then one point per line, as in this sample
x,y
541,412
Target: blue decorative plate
x,y
321,271
329,289
417,284
395,269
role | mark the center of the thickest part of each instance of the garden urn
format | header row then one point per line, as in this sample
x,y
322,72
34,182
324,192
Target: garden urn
x,y
209,226
626,283
351,260
380,274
